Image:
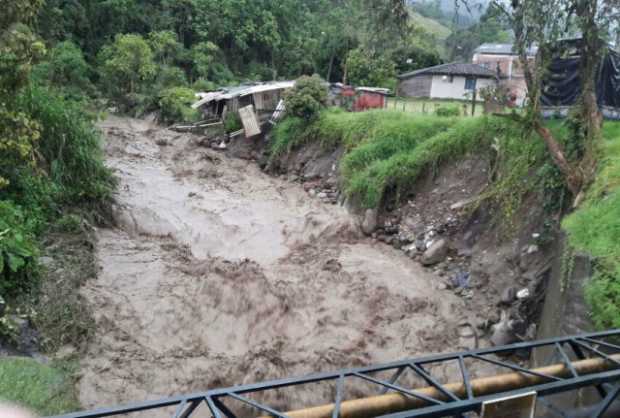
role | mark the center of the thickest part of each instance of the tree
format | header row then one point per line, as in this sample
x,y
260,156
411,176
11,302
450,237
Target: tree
x,y
165,45
67,68
19,51
366,69
543,23
126,64
203,57
491,28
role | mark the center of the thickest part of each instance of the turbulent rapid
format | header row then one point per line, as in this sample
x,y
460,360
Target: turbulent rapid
x,y
218,274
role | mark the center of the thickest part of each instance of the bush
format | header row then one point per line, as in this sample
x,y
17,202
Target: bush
x,y
448,111
175,105
204,85
307,98
232,122
17,251
71,148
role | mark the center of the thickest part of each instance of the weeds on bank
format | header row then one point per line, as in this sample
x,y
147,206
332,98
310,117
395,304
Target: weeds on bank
x,y
45,389
595,229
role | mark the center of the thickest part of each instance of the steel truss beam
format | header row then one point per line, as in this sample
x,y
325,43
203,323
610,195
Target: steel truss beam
x,y
437,400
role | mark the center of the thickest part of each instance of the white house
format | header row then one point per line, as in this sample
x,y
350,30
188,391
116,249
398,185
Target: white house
x,y
447,81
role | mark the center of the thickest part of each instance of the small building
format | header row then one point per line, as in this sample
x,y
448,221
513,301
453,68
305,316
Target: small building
x,y
456,81
370,98
506,63
357,99
256,103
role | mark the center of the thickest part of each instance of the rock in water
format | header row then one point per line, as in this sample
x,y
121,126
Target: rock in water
x,y
508,295
369,224
436,253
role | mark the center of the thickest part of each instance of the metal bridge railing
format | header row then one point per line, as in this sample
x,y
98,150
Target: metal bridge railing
x,y
588,360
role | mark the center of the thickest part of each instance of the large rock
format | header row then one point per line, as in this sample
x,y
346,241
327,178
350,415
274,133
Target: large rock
x,y
436,253
369,224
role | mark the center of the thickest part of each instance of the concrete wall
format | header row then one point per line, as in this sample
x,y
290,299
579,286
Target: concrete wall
x,y
454,87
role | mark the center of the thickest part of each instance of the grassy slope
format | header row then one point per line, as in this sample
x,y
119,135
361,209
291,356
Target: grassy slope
x,y
595,229
44,389
432,26
389,149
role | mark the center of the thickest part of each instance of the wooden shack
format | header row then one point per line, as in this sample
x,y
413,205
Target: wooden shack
x,y
259,101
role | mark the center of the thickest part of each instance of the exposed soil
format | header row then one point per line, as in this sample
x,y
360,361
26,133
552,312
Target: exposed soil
x,y
219,274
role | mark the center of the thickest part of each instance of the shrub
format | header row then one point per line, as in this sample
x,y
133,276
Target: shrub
x,y
232,122
307,98
17,251
71,148
204,85
175,105
448,111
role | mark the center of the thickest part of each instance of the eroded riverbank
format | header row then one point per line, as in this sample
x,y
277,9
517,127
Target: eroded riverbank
x,y
219,274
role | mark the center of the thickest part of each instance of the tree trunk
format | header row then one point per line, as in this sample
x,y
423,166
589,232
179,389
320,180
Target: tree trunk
x,y
331,67
591,55
573,177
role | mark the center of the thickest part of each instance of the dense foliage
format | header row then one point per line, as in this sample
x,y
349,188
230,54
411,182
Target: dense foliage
x,y
227,42
50,156
307,98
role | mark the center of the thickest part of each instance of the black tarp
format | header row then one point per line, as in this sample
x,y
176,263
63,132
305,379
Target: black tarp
x,y
562,86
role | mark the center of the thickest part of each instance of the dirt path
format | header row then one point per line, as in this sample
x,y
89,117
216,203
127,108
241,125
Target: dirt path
x,y
221,275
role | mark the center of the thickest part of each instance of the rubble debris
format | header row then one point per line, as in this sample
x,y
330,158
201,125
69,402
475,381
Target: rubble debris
x,y
509,295
436,252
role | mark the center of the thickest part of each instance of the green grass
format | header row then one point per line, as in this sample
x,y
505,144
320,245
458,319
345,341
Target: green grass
x,y
387,150
43,389
435,28
430,106
595,229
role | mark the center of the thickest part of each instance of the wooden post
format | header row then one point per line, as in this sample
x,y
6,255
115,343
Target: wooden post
x,y
473,101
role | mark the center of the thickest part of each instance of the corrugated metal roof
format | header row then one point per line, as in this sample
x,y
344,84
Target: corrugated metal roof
x,y
240,91
378,90
464,69
501,49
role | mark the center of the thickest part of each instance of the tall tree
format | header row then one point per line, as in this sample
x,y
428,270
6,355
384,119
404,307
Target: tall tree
x,y
543,23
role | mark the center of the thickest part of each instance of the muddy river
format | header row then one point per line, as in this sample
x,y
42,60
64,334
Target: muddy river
x,y
219,274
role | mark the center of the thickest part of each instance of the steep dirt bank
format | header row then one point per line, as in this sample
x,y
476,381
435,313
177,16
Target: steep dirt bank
x,y
500,265
219,274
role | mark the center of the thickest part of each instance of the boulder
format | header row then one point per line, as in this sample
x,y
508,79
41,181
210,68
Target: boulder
x,y
509,295
369,223
436,253
502,332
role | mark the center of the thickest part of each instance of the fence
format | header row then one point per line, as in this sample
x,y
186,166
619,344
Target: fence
x,y
430,106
